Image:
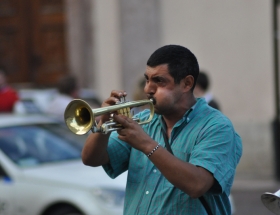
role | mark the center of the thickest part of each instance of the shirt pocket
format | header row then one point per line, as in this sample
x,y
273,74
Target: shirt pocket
x,y
182,156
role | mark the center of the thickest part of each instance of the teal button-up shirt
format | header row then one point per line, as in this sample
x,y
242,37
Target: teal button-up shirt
x,y
203,137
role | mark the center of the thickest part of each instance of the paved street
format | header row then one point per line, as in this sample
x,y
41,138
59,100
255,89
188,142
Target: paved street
x,y
247,196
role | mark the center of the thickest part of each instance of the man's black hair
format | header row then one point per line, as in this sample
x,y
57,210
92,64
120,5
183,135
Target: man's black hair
x,y
180,60
203,80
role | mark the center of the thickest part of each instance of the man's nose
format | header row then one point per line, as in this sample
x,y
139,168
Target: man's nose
x,y
149,88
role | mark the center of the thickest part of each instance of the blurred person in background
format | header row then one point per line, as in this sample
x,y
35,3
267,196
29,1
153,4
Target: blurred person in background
x,y
68,90
8,95
202,90
139,94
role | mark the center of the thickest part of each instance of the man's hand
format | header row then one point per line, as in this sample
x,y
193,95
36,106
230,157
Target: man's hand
x,y
134,135
112,100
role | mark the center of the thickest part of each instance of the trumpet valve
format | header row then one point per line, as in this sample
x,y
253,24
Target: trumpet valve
x,y
125,111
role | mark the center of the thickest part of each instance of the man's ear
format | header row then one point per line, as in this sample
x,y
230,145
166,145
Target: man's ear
x,y
188,83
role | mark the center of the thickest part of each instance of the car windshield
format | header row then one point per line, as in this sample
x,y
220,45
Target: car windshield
x,y
38,144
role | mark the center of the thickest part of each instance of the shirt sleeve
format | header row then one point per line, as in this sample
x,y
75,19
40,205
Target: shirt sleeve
x,y
119,153
215,150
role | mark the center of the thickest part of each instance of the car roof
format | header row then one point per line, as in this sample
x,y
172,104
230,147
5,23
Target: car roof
x,y
24,119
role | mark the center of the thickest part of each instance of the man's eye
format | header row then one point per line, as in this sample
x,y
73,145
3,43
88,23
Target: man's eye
x,y
159,80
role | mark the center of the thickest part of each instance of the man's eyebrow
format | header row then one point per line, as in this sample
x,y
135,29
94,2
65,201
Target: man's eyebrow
x,y
155,76
158,76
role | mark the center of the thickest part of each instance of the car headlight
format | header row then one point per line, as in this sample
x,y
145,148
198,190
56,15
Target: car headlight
x,y
112,197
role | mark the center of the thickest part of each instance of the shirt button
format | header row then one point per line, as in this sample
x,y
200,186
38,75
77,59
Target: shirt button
x,y
154,170
188,119
147,192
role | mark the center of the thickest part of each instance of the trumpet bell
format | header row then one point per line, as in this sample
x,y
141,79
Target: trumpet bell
x,y
272,201
78,117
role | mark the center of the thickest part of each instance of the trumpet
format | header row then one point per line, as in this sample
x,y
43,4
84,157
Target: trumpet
x,y
80,117
272,201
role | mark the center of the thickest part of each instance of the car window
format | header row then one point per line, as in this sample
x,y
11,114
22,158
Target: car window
x,y
36,144
62,130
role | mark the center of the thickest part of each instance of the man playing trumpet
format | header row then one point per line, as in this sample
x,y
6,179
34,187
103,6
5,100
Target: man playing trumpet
x,y
204,147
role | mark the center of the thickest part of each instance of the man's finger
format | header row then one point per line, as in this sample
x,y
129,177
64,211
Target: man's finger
x,y
123,120
118,93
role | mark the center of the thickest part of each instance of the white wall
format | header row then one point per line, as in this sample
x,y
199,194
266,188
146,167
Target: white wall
x,y
233,42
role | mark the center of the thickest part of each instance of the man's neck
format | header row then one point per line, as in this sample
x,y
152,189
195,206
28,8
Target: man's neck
x,y
172,118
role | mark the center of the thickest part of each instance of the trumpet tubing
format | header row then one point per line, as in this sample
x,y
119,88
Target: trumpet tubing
x,y
80,117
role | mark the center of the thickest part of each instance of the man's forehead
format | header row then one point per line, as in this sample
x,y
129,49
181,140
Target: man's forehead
x,y
158,70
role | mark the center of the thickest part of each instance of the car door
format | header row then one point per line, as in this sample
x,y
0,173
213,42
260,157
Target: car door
x,y
7,188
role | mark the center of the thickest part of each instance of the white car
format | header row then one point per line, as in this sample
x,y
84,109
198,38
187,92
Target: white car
x,y
41,172
36,100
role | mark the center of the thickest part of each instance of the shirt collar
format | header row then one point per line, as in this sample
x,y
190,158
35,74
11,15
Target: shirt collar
x,y
188,116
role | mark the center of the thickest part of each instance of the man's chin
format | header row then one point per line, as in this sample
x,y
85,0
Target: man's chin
x,y
158,112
